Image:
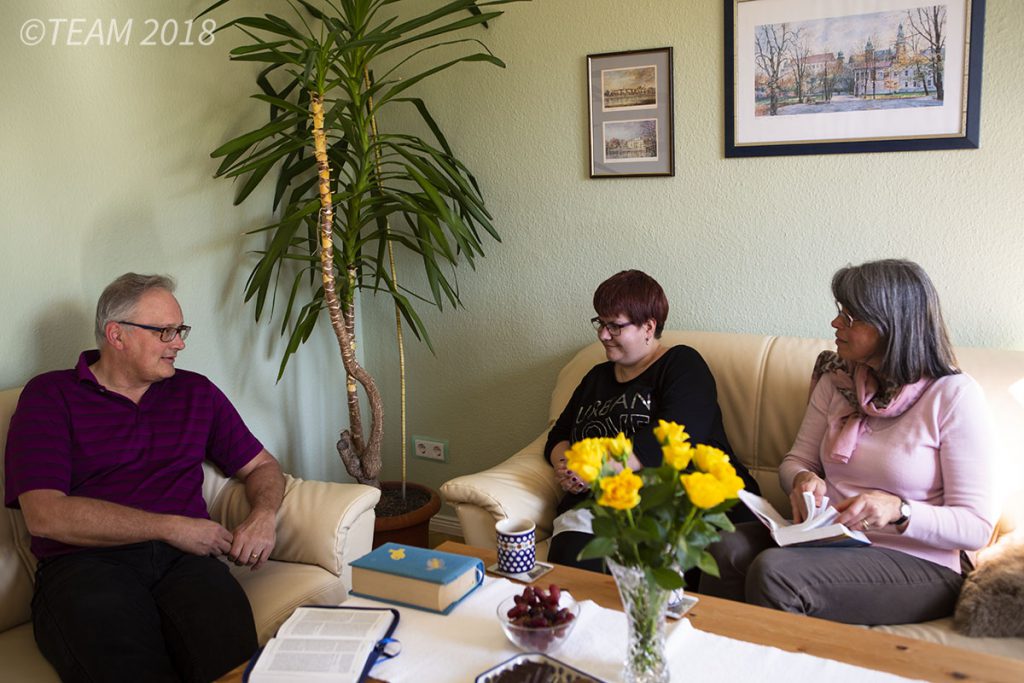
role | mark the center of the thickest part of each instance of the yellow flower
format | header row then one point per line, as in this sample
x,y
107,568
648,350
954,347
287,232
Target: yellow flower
x,y
704,490
677,454
670,432
620,446
397,553
707,457
727,477
621,492
586,458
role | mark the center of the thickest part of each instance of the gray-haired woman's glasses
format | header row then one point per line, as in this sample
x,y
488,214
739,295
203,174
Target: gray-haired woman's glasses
x,y
847,319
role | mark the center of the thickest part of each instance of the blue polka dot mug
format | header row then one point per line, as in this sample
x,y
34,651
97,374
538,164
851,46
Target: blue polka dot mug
x,y
517,545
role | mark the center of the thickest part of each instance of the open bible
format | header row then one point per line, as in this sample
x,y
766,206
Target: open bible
x,y
818,528
329,644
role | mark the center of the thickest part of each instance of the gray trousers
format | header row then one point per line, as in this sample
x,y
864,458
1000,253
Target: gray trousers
x,y
852,585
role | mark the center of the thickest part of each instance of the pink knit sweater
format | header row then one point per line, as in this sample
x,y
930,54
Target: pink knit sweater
x,y
938,455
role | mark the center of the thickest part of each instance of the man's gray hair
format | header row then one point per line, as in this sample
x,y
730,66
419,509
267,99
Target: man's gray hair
x,y
118,300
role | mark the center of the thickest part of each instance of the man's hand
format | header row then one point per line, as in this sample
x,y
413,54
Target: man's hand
x,y
254,539
198,536
805,481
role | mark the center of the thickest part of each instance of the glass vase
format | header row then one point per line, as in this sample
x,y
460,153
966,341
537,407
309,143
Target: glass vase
x,y
644,603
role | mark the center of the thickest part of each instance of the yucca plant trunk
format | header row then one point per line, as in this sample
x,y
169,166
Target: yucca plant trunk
x,y
362,460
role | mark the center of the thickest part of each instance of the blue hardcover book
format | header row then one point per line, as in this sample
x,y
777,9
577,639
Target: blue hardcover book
x,y
416,577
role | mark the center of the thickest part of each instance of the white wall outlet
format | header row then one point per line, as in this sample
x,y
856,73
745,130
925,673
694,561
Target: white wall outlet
x,y
429,448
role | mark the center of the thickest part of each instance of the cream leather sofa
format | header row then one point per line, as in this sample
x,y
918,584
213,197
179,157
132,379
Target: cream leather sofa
x,y
321,527
763,386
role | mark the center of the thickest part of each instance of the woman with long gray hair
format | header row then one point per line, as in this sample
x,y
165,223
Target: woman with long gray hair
x,y
901,442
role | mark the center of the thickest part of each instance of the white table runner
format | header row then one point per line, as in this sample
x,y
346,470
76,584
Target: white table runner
x,y
463,644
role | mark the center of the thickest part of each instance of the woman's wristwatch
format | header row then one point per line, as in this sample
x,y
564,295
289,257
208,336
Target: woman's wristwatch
x,y
904,513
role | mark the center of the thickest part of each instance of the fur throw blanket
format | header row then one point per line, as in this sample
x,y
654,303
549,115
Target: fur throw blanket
x,y
991,602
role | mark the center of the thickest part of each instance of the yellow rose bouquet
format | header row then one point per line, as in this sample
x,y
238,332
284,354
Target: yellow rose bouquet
x,y
660,519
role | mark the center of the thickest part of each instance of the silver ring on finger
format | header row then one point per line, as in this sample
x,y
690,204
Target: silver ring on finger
x,y
866,525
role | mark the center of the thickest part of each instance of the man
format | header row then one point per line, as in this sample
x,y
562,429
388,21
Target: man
x,y
105,462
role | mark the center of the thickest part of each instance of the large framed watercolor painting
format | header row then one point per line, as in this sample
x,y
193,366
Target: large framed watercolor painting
x,y
631,113
832,76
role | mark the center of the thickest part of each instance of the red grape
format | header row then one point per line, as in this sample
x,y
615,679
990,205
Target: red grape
x,y
537,608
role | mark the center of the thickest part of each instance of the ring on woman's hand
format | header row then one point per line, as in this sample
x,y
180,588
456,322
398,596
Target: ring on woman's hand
x,y
254,556
865,524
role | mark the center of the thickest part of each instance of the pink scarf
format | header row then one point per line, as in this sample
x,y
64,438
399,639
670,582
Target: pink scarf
x,y
864,398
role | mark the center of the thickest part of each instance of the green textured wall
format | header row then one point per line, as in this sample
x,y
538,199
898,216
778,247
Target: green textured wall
x,y
740,245
106,169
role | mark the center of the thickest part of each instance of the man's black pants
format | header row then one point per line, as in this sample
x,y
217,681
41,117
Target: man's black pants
x,y
140,612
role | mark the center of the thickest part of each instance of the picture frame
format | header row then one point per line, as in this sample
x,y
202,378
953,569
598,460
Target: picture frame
x,y
807,77
631,113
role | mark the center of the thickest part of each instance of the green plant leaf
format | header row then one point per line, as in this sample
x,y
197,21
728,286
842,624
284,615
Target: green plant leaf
x,y
656,495
598,547
421,107
212,8
706,563
265,157
720,521
604,526
269,25
667,578
442,30
283,104
244,142
409,82
259,47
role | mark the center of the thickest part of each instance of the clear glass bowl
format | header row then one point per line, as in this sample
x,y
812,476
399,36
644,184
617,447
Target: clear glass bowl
x,y
538,639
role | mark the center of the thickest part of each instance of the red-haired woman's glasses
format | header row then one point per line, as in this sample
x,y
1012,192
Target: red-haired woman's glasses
x,y
613,328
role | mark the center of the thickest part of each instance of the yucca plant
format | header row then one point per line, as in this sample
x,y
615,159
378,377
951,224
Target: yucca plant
x,y
346,191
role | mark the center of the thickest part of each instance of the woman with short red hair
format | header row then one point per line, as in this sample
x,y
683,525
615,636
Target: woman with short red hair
x,y
642,382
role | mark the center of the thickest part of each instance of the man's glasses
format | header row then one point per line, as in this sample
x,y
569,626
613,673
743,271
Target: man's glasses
x,y
848,320
613,328
167,334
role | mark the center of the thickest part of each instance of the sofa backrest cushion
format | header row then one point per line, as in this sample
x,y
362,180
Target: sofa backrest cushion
x,y
761,406
15,576
763,385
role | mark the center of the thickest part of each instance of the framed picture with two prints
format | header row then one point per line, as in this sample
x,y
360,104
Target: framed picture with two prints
x,y
834,76
631,113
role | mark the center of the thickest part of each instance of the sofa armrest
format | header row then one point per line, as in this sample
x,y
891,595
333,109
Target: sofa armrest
x,y
319,522
522,486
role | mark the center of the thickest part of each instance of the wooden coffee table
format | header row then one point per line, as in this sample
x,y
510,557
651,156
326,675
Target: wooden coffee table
x,y
851,644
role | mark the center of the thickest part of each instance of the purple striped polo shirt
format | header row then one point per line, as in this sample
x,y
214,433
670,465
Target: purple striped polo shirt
x,y
70,434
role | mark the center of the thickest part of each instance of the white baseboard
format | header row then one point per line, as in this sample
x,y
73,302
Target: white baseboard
x,y
446,524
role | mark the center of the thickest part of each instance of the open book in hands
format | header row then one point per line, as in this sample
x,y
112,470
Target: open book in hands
x,y
818,528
